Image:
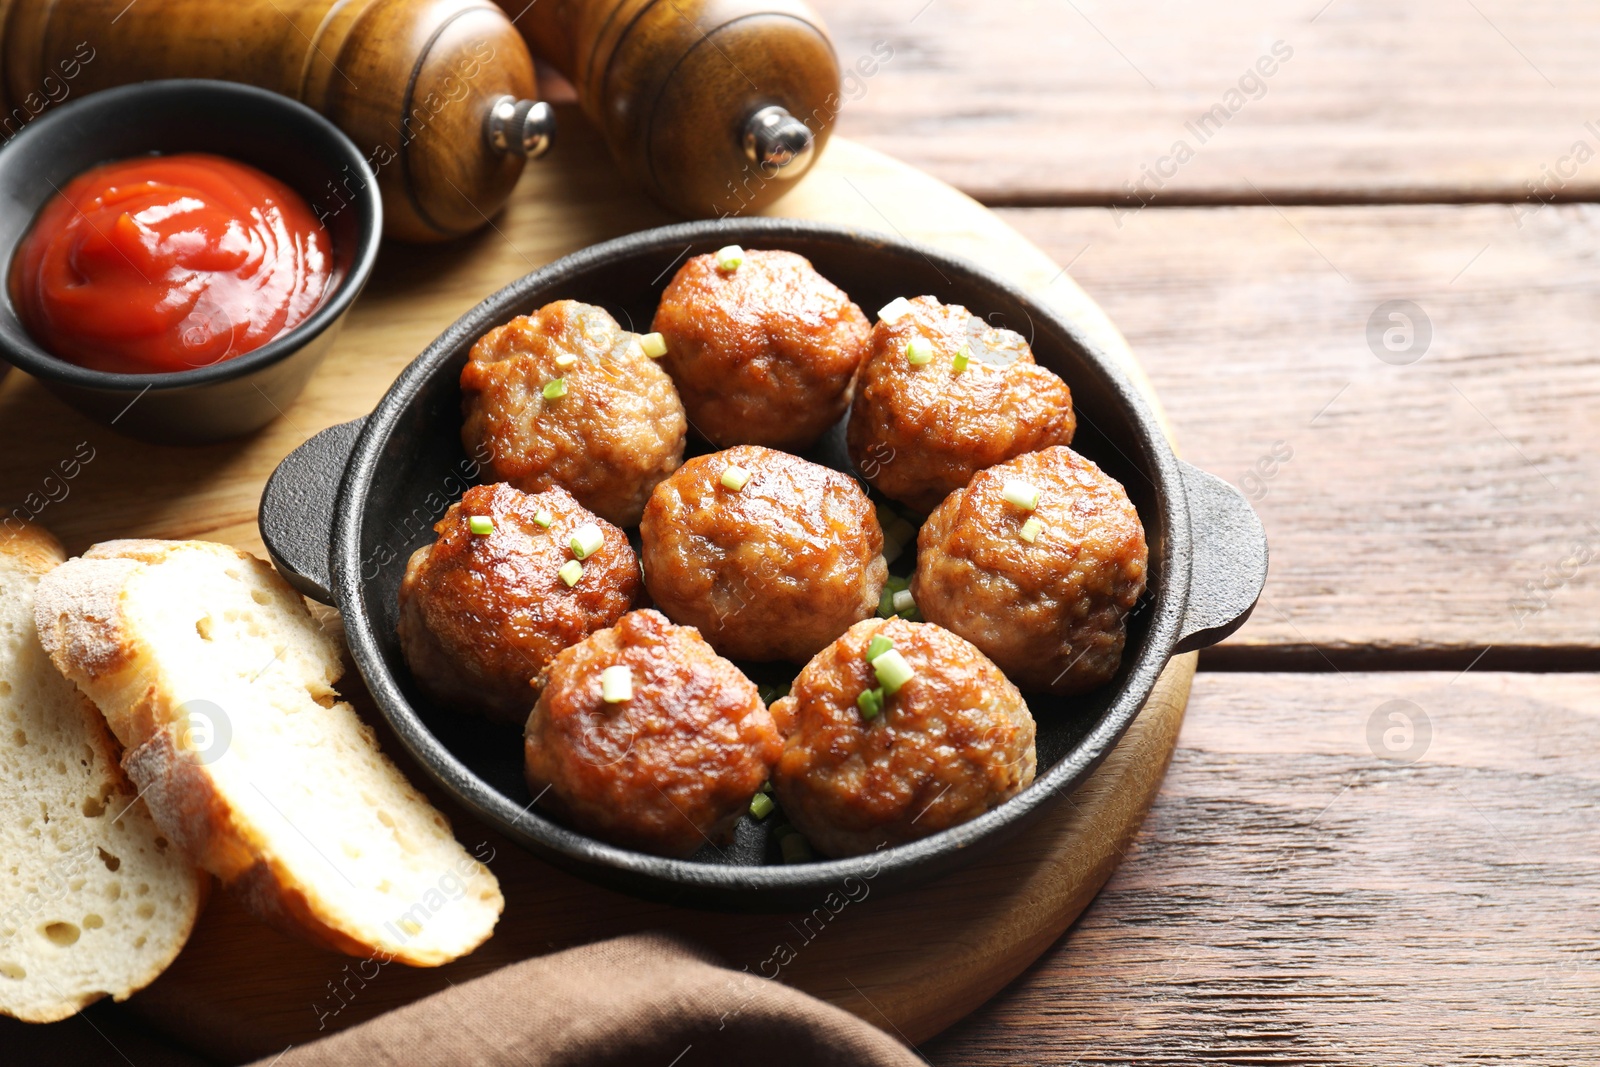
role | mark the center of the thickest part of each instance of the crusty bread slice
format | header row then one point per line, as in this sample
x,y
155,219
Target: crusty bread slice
x,y
211,671
93,900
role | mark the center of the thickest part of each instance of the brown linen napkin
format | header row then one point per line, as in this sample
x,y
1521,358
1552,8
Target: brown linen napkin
x,y
645,999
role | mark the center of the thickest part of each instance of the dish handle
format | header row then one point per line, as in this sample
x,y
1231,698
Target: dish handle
x,y
1230,560
298,506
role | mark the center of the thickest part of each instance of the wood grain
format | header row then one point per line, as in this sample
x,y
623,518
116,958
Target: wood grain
x,y
1053,102
1425,511
1294,899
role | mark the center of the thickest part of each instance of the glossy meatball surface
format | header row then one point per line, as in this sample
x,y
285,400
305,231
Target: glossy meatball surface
x,y
919,432
667,769
481,615
955,741
763,354
773,570
1052,613
617,429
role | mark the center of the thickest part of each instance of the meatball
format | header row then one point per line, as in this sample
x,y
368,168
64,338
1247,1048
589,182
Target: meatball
x,y
763,354
1050,610
954,741
918,431
481,614
567,397
771,570
662,764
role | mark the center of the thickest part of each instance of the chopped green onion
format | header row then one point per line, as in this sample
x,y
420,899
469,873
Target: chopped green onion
x,y
761,806
919,350
555,388
962,358
771,694
570,572
735,477
616,684
654,345
766,786
480,524
897,583
587,541
1021,494
892,670
544,518
886,603
878,646
730,258
565,360
1031,528
796,849
871,703
894,310
904,602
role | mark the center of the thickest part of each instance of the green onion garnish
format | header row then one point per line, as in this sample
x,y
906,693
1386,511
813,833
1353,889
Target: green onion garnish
x,y
587,541
565,360
1031,528
962,358
616,684
886,603
796,849
730,258
480,524
766,786
894,310
878,646
544,518
570,572
871,703
897,583
761,806
904,602
555,388
654,345
1022,494
771,694
893,671
735,477
919,350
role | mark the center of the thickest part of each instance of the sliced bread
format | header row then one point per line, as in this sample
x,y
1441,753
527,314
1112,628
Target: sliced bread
x,y
94,901
209,668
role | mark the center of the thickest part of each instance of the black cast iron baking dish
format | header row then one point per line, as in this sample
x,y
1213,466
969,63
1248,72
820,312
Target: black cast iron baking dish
x,y
343,512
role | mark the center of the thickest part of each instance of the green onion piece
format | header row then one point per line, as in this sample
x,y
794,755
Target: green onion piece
x,y
761,806
735,477
919,350
654,345
616,684
796,849
892,670
1031,528
1021,494
886,603
771,694
730,258
766,786
544,518
904,602
871,703
480,524
570,572
878,646
894,310
587,541
897,583
962,358
555,388
565,360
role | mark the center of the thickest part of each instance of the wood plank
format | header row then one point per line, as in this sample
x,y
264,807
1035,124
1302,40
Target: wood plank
x,y
1294,899
1425,510
1060,103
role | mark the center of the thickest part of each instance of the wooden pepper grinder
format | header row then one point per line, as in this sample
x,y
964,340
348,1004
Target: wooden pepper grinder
x,y
715,106
439,94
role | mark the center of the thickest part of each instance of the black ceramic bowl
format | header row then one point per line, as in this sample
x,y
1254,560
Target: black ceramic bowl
x,y
343,512
270,132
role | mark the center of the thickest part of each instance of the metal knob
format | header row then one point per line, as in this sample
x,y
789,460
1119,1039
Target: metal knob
x,y
520,127
780,144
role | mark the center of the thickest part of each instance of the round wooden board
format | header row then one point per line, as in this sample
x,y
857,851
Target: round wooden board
x,y
912,963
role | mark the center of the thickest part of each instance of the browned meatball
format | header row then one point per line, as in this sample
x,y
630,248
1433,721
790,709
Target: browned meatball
x,y
617,430
668,768
763,354
918,431
482,614
953,742
772,570
1050,612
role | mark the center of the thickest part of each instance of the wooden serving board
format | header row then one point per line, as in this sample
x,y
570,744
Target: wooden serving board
x,y
911,963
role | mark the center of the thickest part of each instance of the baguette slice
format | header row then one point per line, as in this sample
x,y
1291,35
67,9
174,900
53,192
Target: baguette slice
x,y
93,900
209,668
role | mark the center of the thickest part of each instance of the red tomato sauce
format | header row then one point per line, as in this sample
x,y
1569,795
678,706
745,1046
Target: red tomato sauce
x,y
167,263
